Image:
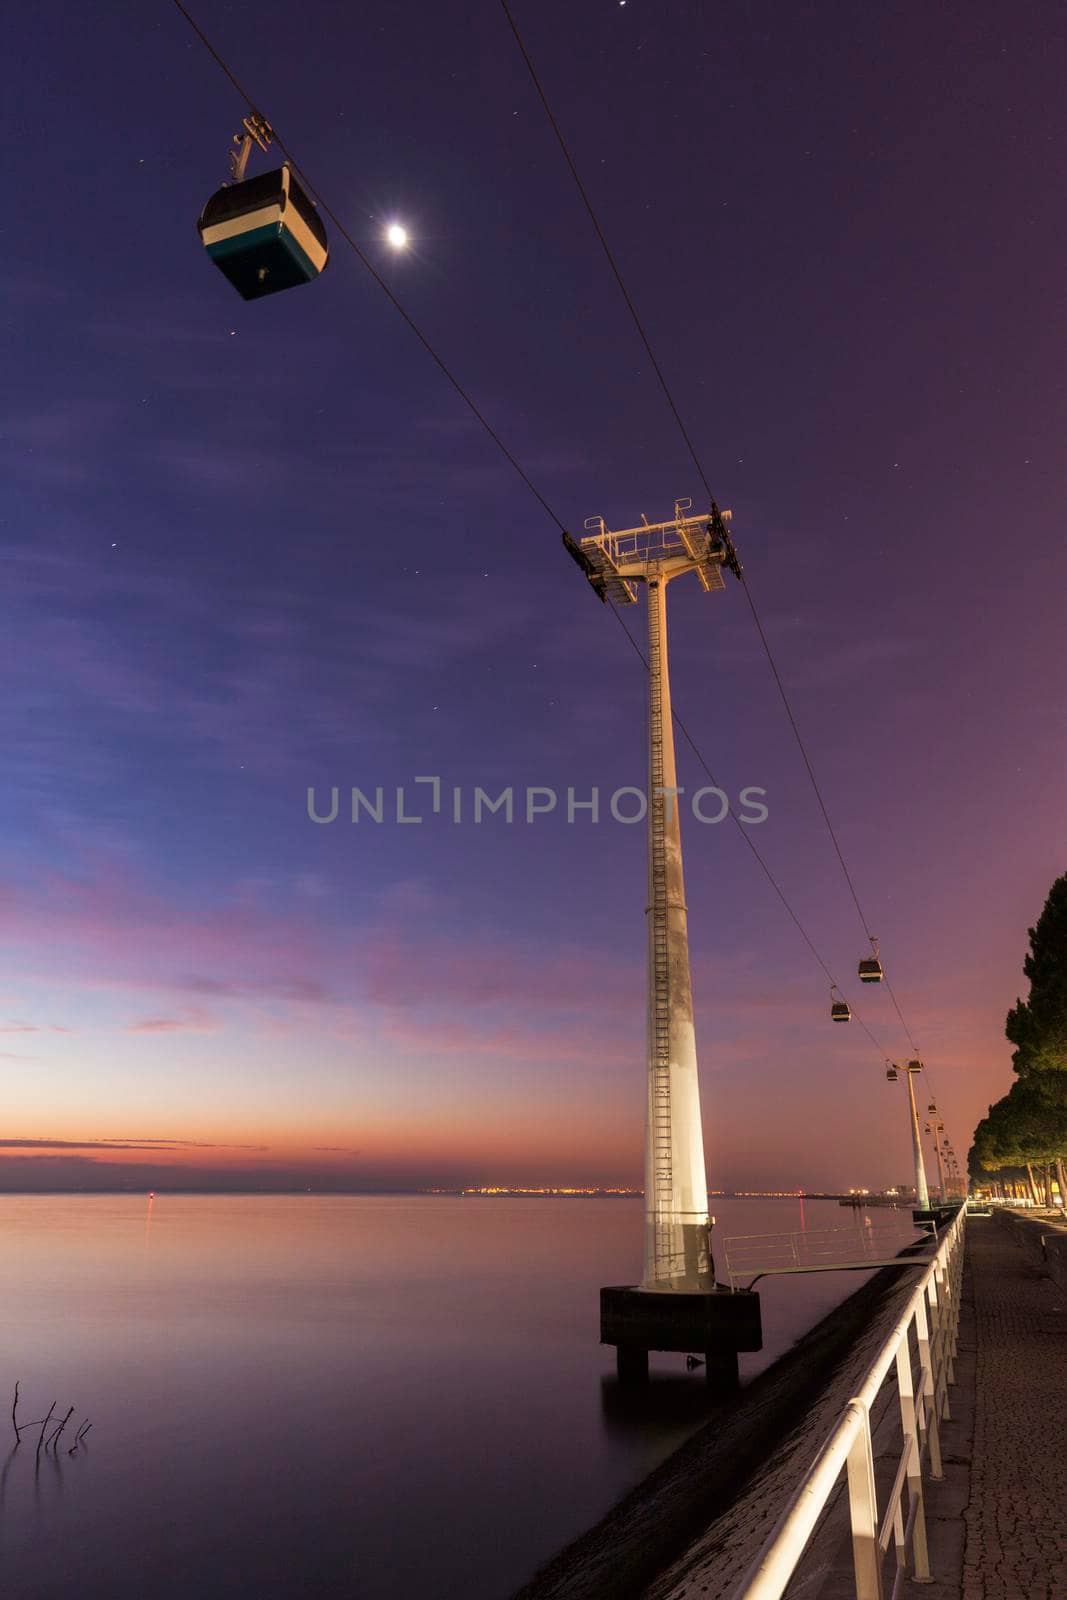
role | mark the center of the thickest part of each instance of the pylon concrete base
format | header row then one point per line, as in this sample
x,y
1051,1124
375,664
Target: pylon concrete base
x,y
716,1326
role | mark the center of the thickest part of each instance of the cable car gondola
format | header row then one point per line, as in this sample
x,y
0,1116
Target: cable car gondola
x,y
870,968
839,1009
264,234
892,1074
915,1066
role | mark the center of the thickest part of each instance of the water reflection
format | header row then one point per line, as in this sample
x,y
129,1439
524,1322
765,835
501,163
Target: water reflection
x,y
299,1395
651,1409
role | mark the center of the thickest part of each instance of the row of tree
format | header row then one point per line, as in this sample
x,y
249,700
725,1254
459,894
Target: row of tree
x,y
1026,1131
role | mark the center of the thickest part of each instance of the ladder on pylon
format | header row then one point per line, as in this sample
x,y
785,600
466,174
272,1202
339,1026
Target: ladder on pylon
x,y
659,1020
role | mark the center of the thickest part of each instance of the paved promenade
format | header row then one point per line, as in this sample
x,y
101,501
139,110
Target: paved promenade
x,y
1015,1543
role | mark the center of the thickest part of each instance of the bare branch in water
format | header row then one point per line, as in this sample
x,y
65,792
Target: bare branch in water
x,y
79,1436
42,1422
54,1436
44,1425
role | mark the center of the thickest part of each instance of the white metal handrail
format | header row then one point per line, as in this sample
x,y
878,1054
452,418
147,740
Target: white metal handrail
x,y
802,1235
933,1309
767,1254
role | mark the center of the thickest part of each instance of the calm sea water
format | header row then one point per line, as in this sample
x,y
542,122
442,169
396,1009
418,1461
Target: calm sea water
x,y
374,1397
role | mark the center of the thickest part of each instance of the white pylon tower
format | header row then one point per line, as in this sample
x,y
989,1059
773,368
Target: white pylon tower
x,y
922,1193
937,1128
677,1252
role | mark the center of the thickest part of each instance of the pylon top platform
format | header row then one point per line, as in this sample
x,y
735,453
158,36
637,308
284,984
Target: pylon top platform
x,y
619,559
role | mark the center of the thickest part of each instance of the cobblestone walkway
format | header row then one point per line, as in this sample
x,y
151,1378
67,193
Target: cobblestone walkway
x,y
1016,1519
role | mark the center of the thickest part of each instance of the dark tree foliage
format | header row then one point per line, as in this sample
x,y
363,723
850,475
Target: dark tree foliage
x,y
983,1158
1037,1027
1028,1125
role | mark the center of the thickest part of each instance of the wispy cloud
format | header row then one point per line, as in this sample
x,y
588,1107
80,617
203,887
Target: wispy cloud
x,y
480,973
535,1041
122,1144
109,927
306,991
191,1022
264,950
89,660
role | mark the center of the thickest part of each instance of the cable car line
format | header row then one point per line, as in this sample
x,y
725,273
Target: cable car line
x,y
370,268
479,415
853,1016
869,963
612,263
675,412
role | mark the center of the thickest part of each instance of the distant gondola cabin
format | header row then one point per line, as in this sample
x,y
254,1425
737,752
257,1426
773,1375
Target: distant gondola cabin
x,y
264,234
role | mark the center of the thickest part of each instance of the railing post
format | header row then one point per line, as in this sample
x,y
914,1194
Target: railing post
x,y
863,1513
922,1333
910,1430
938,1305
939,1284
934,1308
957,1296
953,1320
944,1375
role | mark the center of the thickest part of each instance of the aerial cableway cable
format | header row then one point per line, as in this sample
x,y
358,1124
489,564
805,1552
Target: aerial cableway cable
x,y
513,461
702,474
368,265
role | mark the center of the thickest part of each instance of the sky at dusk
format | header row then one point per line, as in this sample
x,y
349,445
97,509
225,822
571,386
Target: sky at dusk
x,y
250,548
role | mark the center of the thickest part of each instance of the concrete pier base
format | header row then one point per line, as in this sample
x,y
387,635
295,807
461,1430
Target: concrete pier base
x,y
714,1326
631,1363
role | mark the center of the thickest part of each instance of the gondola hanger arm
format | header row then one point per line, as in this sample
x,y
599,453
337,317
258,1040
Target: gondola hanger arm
x,y
257,131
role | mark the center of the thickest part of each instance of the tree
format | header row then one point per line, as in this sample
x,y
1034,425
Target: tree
x,y
1037,1026
994,1155
1027,1127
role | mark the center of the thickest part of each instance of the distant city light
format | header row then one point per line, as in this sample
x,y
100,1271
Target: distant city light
x,y
397,236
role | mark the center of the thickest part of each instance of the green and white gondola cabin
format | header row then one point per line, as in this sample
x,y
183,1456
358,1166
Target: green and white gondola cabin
x,y
264,234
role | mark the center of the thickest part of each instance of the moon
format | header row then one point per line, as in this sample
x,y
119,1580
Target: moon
x,y
396,235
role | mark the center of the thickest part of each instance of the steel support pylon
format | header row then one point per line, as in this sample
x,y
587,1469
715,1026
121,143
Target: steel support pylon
x,y
942,1187
922,1194
677,1229
677,1254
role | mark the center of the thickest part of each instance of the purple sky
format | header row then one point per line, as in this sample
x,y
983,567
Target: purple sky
x,y
251,548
